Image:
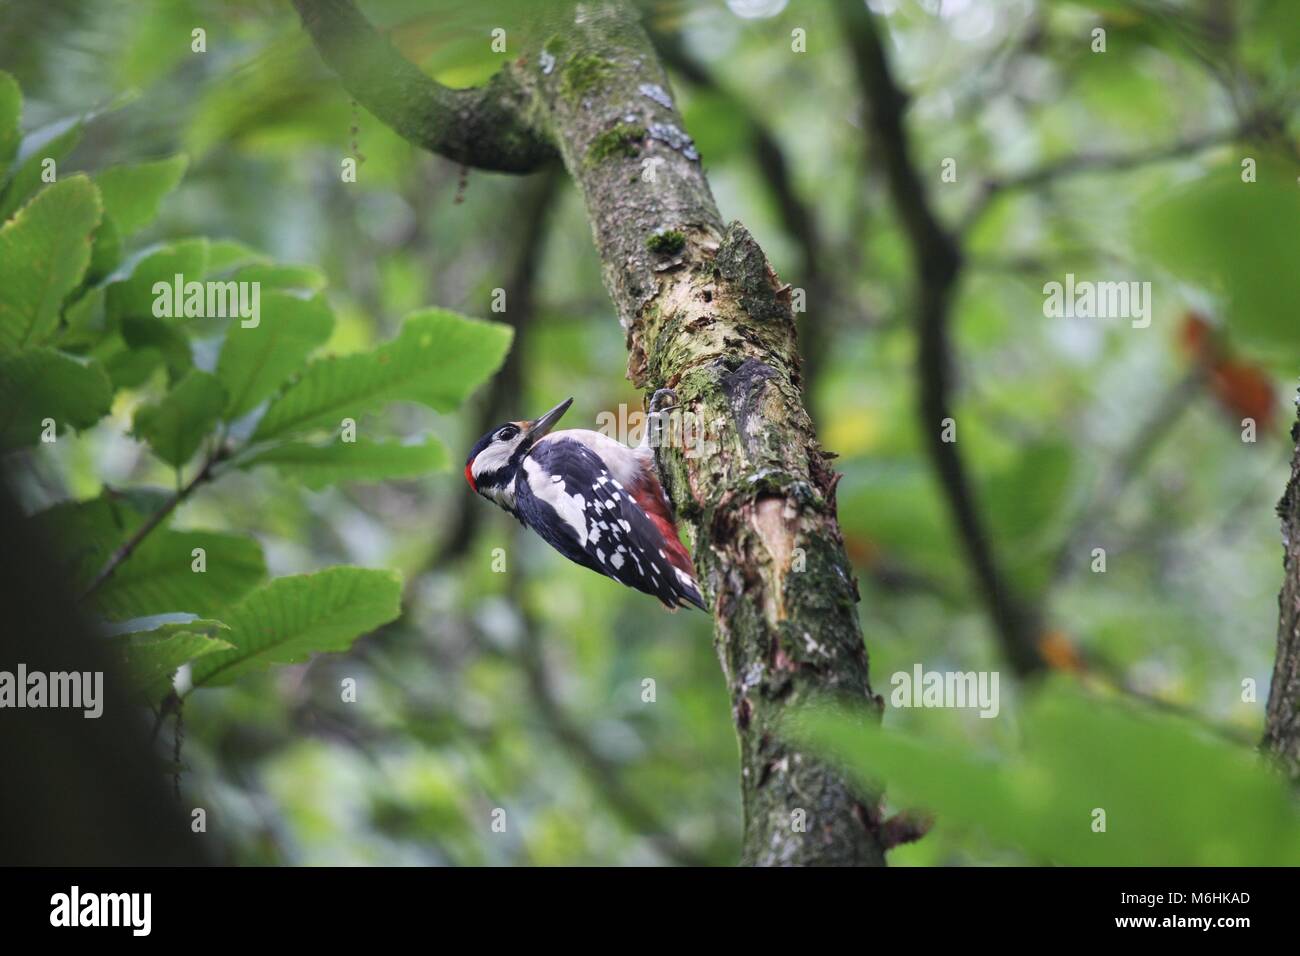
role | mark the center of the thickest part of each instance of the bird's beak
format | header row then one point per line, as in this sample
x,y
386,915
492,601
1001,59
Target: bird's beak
x,y
540,426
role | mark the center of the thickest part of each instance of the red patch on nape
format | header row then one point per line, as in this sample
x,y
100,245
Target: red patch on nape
x,y
649,494
469,475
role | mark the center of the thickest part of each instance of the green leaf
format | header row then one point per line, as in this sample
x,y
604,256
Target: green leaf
x,y
85,321
43,252
169,340
256,361
227,254
275,276
41,384
1148,771
105,251
11,111
290,618
128,367
132,194
54,142
1238,240
153,655
319,465
133,296
85,533
175,426
160,577
437,359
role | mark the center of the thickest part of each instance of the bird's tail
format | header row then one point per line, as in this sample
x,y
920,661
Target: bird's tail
x,y
690,594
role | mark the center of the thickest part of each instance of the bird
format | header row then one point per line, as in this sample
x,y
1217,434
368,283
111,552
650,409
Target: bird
x,y
595,500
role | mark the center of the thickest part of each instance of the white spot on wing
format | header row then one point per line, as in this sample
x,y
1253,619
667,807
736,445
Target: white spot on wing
x,y
571,508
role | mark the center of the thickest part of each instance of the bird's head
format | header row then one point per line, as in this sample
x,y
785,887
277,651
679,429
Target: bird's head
x,y
494,459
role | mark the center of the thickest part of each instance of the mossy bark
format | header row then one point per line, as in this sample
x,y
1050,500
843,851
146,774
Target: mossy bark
x,y
705,314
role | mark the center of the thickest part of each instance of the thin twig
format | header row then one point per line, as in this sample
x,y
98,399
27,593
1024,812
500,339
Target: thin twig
x,y
1106,162
1129,465
152,522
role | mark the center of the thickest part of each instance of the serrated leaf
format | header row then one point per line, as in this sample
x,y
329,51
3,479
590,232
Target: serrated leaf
x,y
290,618
176,425
317,466
256,361
11,111
41,384
437,359
152,655
132,194
43,252
133,295
54,142
159,576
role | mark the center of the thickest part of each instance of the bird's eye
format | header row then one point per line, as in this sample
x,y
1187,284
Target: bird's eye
x,y
507,433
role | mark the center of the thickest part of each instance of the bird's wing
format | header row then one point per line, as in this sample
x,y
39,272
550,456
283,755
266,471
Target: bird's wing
x,y
590,518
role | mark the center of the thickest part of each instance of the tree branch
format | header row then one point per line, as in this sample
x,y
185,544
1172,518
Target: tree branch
x,y
938,262
1108,162
483,127
152,522
704,314
1134,456
1282,721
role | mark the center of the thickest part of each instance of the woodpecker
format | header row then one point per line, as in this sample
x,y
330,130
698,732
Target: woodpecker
x,y
592,498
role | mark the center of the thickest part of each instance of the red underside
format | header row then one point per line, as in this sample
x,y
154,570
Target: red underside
x,y
650,496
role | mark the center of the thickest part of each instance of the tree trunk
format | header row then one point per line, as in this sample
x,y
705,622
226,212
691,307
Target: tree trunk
x,y
1282,723
704,314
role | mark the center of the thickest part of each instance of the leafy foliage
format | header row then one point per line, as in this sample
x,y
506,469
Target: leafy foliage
x,y
83,320
437,360
288,619
1170,794
44,250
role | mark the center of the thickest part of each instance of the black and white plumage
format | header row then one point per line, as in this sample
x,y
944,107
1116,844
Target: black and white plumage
x,y
595,500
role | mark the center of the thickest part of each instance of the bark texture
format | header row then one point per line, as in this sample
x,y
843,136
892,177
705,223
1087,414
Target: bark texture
x,y
1282,725
705,314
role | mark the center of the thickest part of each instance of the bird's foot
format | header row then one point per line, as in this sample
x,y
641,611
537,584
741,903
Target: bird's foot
x,y
661,399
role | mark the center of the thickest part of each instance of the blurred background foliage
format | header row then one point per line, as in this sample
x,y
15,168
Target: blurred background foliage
x,y
523,690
